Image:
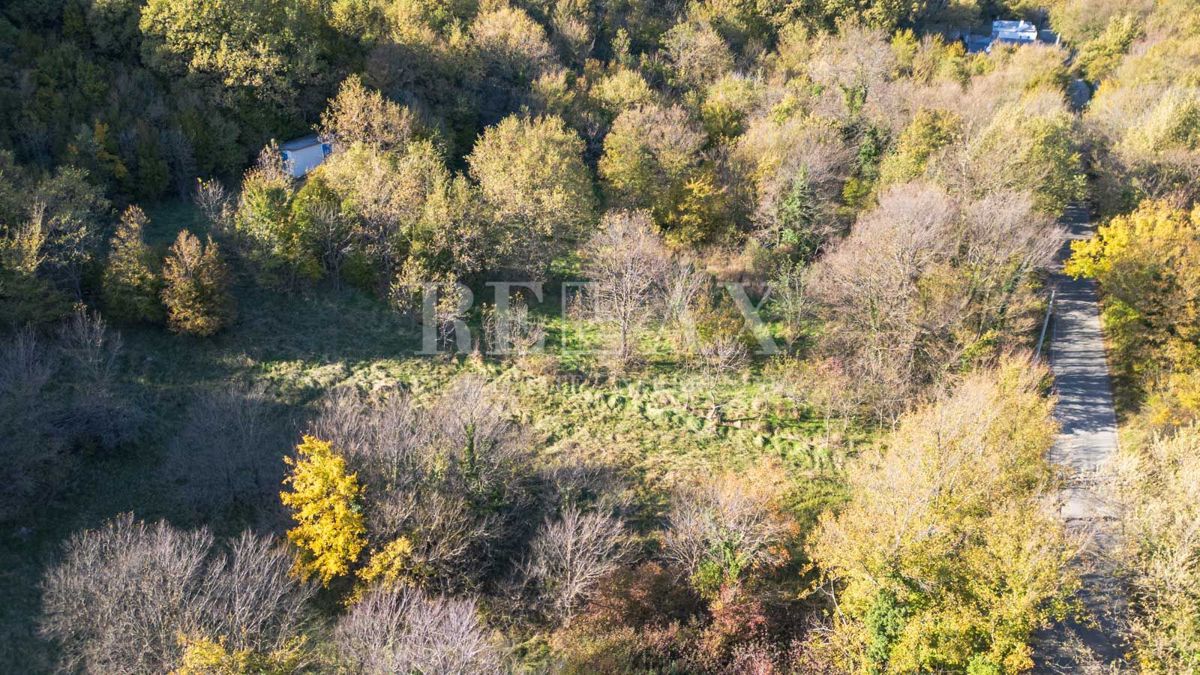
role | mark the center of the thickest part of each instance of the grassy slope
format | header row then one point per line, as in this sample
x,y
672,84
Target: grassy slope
x,y
659,425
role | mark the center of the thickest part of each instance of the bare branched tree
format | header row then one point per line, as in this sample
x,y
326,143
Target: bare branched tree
x,y
333,232
920,279
514,331
251,598
229,450
570,555
731,522
405,631
28,450
90,348
97,414
121,595
628,262
125,593
453,477
724,354
215,204
682,286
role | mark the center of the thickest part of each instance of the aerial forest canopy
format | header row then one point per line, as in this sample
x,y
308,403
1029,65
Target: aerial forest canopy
x,y
587,336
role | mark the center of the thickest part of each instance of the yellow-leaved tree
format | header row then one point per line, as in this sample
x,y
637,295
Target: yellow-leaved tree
x,y
326,504
1155,483
950,553
1148,266
205,656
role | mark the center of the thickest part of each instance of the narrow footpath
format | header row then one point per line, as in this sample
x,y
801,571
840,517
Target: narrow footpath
x,y
1087,438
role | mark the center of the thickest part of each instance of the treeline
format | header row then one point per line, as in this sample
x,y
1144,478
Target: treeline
x,y
148,95
751,160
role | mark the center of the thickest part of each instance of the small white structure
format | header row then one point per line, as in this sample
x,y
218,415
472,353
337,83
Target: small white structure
x,y
302,155
1014,32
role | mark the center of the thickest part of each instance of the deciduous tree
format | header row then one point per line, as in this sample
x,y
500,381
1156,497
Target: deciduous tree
x,y
628,263
951,553
124,595
570,556
326,503
403,631
532,177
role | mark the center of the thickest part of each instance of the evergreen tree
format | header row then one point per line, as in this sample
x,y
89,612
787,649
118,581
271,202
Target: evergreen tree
x,y
797,215
130,287
196,287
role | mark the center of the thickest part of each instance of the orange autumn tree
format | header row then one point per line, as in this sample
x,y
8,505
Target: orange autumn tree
x,y
325,500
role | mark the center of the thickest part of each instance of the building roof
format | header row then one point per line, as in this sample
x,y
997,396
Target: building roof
x,y
1011,31
301,143
1014,31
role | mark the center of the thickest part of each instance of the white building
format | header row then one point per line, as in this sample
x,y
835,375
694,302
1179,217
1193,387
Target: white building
x,y
1014,32
302,155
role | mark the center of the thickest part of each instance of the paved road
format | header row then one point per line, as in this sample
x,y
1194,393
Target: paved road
x,y
1088,436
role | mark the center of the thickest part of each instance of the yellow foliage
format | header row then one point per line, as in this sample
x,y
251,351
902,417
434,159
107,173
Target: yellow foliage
x,y
204,656
391,565
325,503
1148,266
947,556
1156,485
699,212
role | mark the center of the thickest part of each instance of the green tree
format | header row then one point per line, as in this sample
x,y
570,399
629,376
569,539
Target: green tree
x,y
75,211
533,180
26,296
797,218
325,500
1100,56
698,55
274,240
930,131
266,50
1024,150
130,287
196,287
511,51
650,155
360,115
